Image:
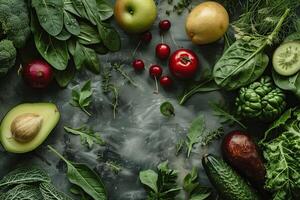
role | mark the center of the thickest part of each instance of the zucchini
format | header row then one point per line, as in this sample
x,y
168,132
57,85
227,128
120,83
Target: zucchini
x,y
227,182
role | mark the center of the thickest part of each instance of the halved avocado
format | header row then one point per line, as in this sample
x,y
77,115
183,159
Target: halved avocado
x,y
26,126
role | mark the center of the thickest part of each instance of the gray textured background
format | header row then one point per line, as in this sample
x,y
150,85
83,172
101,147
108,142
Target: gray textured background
x,y
139,138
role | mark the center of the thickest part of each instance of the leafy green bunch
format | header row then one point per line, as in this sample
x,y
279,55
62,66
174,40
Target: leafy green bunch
x,y
282,154
29,184
72,33
14,31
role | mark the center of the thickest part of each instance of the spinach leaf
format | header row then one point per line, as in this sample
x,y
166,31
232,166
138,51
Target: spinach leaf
x,y
193,189
87,135
195,132
63,78
224,114
109,36
104,9
85,178
87,9
167,109
24,175
83,97
88,34
55,52
49,192
241,64
68,6
22,192
160,185
50,15
71,23
63,35
86,57
290,83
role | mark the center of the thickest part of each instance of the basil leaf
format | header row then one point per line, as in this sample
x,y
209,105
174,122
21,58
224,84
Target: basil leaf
x,y
241,64
49,192
22,192
63,35
55,52
24,175
83,97
50,15
85,178
88,34
71,23
104,9
87,135
167,109
86,57
149,178
195,132
63,78
110,37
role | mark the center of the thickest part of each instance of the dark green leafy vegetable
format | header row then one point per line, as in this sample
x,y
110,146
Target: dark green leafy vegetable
x,y
195,191
83,97
49,192
71,23
282,153
22,192
50,15
85,178
161,185
261,100
88,34
8,56
87,135
224,114
212,135
104,9
109,36
195,132
167,109
24,176
63,78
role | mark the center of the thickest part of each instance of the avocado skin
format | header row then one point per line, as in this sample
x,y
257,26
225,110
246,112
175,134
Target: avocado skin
x,y
48,111
227,182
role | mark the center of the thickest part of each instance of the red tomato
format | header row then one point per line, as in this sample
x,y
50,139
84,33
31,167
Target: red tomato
x,y
183,63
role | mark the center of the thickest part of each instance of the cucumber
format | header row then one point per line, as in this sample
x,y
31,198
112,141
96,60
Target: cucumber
x,y
227,182
286,58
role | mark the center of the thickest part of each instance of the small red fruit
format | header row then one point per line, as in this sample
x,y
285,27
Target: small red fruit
x,y
38,74
155,71
164,25
183,63
138,65
166,81
162,51
146,37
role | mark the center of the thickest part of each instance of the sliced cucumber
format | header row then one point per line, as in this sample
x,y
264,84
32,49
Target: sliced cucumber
x,y
286,59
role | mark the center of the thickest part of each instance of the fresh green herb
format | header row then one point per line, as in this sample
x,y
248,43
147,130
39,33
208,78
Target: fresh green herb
x,y
167,109
255,30
192,188
207,84
179,146
119,68
114,166
224,114
83,177
210,136
195,132
160,185
87,135
83,97
282,156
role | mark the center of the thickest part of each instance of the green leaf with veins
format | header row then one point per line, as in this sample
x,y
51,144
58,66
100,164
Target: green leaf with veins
x,y
87,135
22,192
49,192
167,109
224,114
195,132
83,97
193,189
24,175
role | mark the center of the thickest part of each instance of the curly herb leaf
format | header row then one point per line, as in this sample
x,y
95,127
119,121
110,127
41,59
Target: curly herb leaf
x,y
87,135
209,137
83,97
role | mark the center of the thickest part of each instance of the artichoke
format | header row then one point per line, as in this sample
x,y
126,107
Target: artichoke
x,y
261,100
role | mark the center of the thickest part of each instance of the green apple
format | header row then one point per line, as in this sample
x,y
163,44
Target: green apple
x,y
135,16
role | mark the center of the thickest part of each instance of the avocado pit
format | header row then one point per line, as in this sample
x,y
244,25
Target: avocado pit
x,y
26,126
